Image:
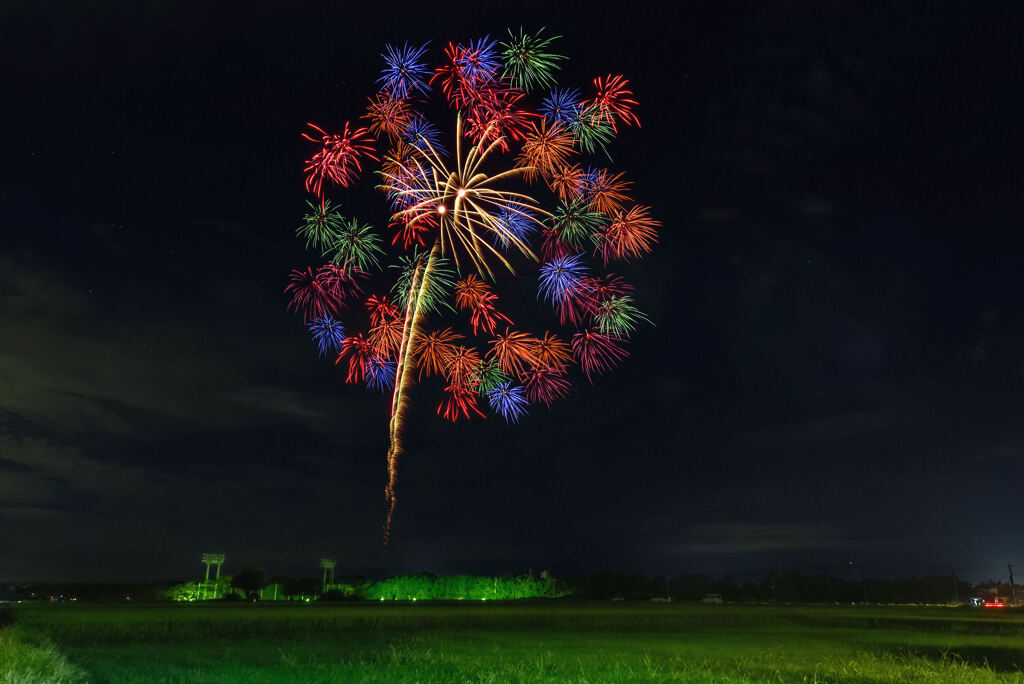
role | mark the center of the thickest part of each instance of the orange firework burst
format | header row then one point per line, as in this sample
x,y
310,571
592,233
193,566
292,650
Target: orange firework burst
x,y
387,115
462,366
565,181
514,351
470,291
386,336
607,193
434,352
551,352
629,234
545,150
476,295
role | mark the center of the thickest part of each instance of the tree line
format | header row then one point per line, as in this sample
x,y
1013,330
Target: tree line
x,y
789,587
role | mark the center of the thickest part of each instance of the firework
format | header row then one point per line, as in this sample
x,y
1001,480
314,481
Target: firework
x,y
489,375
561,106
612,102
603,192
551,352
514,225
544,150
459,402
405,73
528,65
421,134
356,244
616,316
514,351
379,373
575,223
323,291
435,351
320,226
339,159
388,115
357,352
596,353
508,401
561,276
328,334
629,234
545,385
591,130
470,201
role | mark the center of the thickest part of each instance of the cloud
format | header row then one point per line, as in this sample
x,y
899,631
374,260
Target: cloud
x,y
821,431
744,537
68,364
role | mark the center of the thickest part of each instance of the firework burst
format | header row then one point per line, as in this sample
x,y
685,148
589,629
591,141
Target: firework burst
x,y
339,160
471,201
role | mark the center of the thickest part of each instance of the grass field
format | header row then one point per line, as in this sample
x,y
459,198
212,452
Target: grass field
x,y
553,641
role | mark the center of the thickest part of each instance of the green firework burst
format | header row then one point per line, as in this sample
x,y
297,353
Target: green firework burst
x,y
574,222
591,131
489,375
618,317
320,226
434,297
355,244
528,64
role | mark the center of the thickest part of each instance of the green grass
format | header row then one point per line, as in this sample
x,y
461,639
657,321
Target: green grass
x,y
31,659
555,641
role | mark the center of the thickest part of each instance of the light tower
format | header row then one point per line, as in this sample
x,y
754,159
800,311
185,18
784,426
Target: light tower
x,y
327,564
205,588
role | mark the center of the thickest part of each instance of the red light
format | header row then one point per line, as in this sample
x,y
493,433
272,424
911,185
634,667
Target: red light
x,y
994,604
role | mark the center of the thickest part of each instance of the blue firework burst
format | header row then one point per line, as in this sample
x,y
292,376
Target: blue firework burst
x,y
515,224
419,130
561,275
380,373
328,334
480,60
561,106
405,73
590,181
508,401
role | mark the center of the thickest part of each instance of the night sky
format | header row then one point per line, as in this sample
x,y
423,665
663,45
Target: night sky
x,y
835,373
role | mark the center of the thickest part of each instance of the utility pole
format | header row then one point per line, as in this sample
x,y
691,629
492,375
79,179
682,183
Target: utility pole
x,y
863,580
1013,595
956,586
327,565
216,560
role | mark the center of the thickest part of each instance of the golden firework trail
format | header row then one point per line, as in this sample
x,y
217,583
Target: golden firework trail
x,y
461,200
404,376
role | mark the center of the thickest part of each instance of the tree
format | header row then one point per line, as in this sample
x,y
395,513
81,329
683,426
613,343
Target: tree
x,y
251,580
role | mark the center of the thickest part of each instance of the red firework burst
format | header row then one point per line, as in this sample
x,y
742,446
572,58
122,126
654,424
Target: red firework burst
x,y
545,385
613,101
339,158
597,353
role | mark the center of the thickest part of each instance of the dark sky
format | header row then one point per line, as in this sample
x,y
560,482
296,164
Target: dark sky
x,y
835,373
